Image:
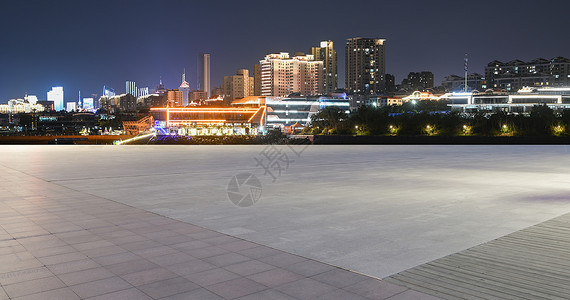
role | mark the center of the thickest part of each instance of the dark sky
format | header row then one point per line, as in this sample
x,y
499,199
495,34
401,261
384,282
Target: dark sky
x,y
83,44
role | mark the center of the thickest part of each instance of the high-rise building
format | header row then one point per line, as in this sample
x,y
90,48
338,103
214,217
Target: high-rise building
x,y
131,88
327,55
160,88
142,92
71,106
517,74
204,73
365,66
88,104
238,86
108,92
56,95
185,89
282,75
257,80
418,81
173,98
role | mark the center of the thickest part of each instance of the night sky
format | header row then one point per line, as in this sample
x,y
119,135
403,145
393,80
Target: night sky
x,y
83,44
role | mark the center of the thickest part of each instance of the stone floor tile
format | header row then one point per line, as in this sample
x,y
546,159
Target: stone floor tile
x,y
249,267
33,286
171,259
128,294
259,252
267,294
198,294
98,252
24,275
132,266
339,278
116,258
308,268
191,267
210,277
202,253
413,295
100,287
169,287
340,294
156,251
226,259
62,258
236,288
148,276
375,289
306,289
57,294
282,259
73,266
84,276
275,277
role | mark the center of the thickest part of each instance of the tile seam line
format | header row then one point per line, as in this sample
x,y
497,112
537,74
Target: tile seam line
x,y
157,214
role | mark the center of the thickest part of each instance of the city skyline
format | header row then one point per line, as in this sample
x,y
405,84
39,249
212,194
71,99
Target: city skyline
x,y
93,53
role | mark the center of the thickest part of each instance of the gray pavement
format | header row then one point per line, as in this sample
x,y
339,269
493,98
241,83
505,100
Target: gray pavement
x,y
58,243
376,210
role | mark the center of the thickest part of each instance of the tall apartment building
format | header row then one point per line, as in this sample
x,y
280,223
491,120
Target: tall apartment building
x,y
238,86
131,88
56,95
257,80
174,98
418,81
204,73
516,74
327,55
282,75
365,66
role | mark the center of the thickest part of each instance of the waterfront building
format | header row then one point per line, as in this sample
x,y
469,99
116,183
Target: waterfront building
x,y
131,88
282,75
327,55
516,74
204,73
454,83
238,86
365,66
56,95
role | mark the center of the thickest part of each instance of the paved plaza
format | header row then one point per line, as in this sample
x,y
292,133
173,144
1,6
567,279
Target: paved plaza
x,y
329,221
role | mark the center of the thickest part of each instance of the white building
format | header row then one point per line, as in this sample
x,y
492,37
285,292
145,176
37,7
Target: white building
x,y
71,106
282,75
131,88
88,104
56,95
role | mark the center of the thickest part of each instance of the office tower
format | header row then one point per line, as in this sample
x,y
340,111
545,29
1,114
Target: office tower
x,y
88,104
131,88
257,80
185,89
418,81
173,98
56,95
327,55
142,92
238,86
517,74
108,92
365,66
204,73
282,75
71,106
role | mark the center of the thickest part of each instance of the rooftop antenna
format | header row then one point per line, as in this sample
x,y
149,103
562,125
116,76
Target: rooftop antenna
x,y
184,75
466,68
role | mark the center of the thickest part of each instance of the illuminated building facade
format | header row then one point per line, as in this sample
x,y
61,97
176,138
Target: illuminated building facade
x,y
88,104
454,83
418,81
108,92
131,88
204,73
286,111
327,55
238,86
282,75
56,95
365,66
185,89
174,98
21,106
517,74
71,106
256,80
521,101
